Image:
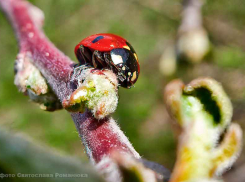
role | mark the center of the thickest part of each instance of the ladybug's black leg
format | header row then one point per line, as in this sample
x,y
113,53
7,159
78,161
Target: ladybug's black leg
x,y
85,55
98,58
107,57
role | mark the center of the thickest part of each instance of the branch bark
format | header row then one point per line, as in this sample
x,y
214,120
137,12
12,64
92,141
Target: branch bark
x,y
100,137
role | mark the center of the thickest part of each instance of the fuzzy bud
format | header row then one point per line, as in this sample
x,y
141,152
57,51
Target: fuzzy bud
x,y
30,81
96,90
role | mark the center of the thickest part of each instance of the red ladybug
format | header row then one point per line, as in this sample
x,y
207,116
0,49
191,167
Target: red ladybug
x,y
112,52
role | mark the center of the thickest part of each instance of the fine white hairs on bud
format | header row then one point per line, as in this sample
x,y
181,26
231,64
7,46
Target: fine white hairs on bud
x,y
96,91
30,81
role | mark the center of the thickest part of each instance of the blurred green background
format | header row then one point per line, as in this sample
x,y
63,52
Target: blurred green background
x,y
149,25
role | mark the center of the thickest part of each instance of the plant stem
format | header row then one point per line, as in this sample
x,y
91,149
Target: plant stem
x,y
99,137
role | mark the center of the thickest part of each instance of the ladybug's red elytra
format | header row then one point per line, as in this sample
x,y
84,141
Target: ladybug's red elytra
x,y
112,52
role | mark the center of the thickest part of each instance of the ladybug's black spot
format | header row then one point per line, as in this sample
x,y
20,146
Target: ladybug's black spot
x,y
97,39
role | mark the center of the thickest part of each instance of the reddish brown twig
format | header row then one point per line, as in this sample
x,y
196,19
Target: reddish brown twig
x,y
99,137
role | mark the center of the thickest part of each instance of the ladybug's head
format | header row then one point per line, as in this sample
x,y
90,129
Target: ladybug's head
x,y
125,64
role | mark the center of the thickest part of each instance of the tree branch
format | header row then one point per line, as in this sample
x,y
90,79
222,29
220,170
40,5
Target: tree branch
x,y
100,137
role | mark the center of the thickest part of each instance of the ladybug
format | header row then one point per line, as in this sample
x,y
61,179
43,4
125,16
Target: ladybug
x,y
109,51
